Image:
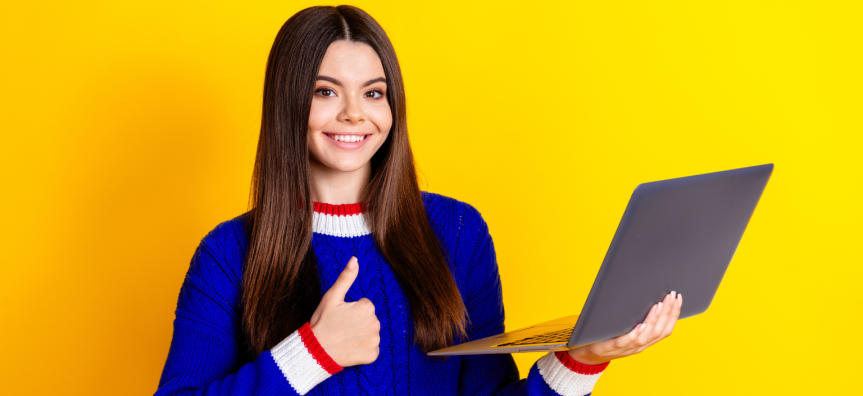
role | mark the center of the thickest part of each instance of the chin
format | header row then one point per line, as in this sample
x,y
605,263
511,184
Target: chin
x,y
347,165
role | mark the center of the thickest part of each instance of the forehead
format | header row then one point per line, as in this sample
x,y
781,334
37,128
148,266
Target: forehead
x,y
351,62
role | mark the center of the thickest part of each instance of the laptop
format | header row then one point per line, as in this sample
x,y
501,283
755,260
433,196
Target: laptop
x,y
675,235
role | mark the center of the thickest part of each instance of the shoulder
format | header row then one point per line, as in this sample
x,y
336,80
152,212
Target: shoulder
x,y
229,233
462,231
452,215
221,252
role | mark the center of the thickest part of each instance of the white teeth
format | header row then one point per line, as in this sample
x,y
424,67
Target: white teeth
x,y
348,138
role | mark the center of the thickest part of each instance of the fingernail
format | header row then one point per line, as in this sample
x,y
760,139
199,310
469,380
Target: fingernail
x,y
353,263
658,307
641,329
673,294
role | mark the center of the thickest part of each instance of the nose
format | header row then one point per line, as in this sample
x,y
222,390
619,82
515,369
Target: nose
x,y
352,112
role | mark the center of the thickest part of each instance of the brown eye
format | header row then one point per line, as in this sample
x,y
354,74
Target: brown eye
x,y
374,94
325,92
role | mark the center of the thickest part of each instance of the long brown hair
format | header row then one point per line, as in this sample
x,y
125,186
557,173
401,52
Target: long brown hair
x,y
281,288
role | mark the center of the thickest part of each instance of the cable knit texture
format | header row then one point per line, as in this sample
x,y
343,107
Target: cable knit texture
x,y
205,357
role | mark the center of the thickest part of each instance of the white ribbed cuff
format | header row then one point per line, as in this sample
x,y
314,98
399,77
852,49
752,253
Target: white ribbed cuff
x,y
568,377
302,360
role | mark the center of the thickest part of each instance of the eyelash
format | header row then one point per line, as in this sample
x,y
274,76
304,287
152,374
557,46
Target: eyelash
x,y
382,94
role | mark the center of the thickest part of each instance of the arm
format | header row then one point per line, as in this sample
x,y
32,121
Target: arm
x,y
204,353
553,374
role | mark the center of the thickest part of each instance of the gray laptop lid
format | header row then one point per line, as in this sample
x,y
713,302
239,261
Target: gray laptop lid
x,y
677,234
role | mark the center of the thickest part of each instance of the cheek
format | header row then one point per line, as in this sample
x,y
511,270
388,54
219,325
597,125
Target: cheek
x,y
319,116
382,117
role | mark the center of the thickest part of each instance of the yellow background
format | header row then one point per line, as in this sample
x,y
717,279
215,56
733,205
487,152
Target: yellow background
x,y
129,131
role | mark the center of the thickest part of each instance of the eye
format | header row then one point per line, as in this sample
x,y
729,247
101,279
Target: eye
x,y
325,92
375,94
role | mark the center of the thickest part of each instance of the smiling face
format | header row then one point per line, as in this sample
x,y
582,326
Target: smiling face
x,y
350,117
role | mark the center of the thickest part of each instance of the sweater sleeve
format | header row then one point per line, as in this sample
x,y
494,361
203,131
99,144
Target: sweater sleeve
x,y
496,374
204,355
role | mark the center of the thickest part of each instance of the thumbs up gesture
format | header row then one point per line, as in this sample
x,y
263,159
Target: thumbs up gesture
x,y
348,331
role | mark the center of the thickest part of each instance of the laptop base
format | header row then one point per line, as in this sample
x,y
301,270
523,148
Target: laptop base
x,y
489,345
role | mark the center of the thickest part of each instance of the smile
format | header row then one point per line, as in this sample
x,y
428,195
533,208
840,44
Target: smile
x,y
346,138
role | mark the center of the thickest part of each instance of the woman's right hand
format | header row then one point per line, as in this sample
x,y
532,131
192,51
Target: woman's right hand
x,y
348,331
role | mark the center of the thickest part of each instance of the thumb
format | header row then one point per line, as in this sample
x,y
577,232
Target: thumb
x,y
336,294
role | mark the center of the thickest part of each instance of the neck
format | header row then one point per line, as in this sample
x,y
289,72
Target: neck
x,y
338,187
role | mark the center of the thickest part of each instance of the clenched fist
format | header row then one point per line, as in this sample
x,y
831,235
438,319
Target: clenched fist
x,y
348,331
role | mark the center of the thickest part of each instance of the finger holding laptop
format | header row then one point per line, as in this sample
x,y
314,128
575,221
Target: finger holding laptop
x,y
658,324
662,330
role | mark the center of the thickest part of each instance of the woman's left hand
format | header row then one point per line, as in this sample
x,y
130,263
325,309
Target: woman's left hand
x,y
658,325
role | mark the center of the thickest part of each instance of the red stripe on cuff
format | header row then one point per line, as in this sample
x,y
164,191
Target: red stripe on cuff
x,y
579,367
317,351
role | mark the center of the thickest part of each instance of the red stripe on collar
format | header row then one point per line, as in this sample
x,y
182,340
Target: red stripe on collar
x,y
339,210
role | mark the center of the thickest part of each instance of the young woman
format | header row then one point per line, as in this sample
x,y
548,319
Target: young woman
x,y
344,274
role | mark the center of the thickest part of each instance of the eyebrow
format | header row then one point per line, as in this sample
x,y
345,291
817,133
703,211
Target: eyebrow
x,y
339,83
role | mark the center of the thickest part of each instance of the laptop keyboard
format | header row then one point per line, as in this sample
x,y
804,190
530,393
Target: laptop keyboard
x,y
552,337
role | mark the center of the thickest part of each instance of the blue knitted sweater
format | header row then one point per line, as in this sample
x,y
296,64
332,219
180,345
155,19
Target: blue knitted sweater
x,y
205,357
